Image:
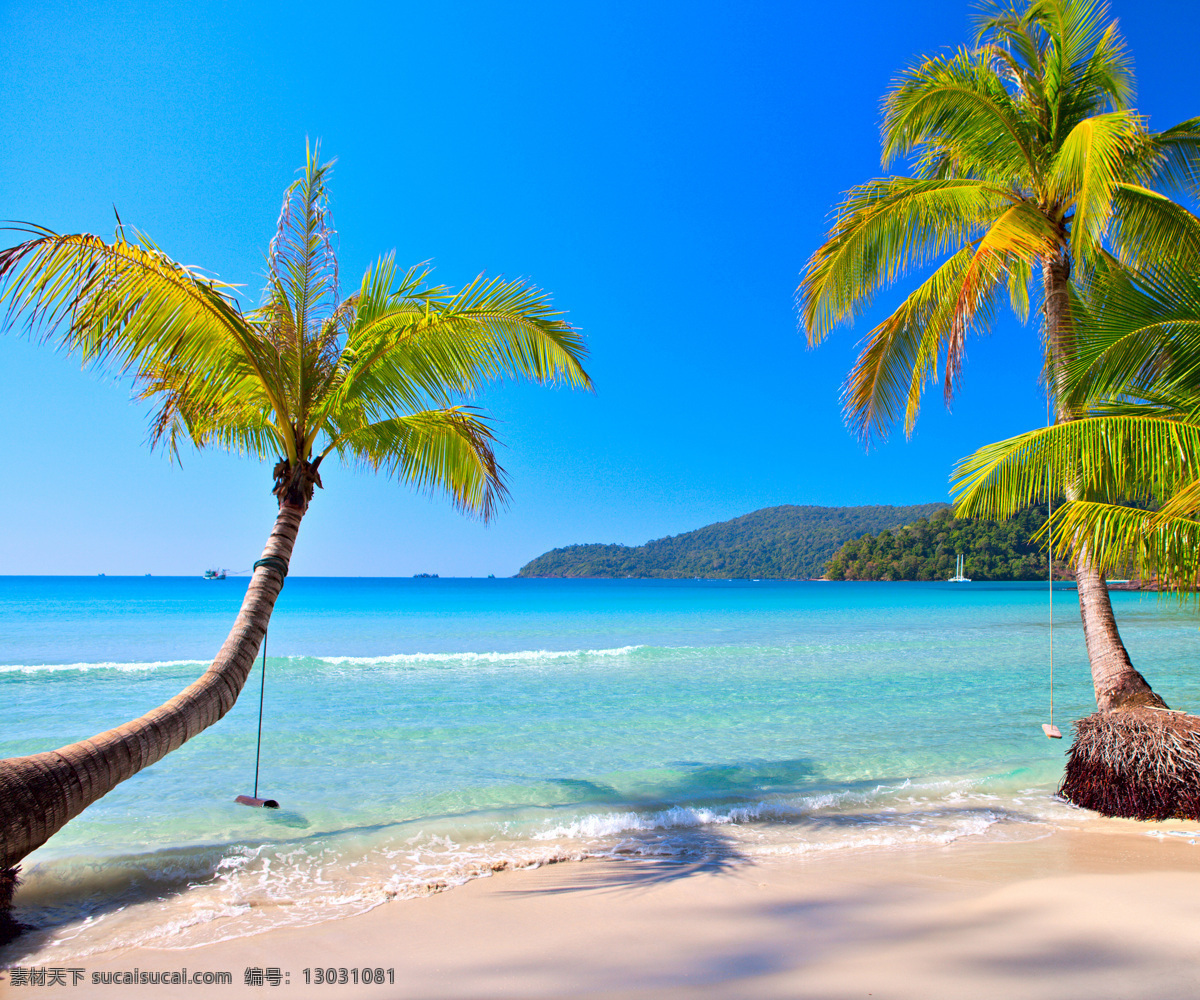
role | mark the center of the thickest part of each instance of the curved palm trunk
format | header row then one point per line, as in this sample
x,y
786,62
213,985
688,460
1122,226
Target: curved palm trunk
x,y
42,792
1116,682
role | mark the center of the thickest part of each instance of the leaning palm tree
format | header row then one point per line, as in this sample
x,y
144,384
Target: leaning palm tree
x,y
372,378
1027,162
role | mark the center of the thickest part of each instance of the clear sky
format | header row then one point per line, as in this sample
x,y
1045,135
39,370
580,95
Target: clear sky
x,y
664,169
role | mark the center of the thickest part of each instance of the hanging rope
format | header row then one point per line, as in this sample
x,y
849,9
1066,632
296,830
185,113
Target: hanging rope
x,y
280,567
262,694
1050,579
1050,730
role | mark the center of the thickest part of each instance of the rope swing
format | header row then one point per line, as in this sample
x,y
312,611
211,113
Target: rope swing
x,y
254,800
1049,728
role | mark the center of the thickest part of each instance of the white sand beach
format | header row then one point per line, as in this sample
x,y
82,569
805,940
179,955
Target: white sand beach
x,y
1108,912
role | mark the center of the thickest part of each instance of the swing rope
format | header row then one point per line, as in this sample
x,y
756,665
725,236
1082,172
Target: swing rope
x,y
279,567
262,691
1050,589
1050,729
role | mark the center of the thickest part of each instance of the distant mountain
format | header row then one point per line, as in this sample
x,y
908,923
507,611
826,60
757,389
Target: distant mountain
x,y
778,543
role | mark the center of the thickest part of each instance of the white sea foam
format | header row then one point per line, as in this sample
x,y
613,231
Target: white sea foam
x,y
246,888
494,657
253,889
1191,836
906,835
398,659
883,797
53,668
612,824
917,805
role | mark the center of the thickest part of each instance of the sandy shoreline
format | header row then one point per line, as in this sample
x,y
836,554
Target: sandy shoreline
x,y
1103,912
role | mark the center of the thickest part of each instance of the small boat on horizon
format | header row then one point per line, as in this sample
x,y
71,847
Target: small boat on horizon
x,y
214,574
958,576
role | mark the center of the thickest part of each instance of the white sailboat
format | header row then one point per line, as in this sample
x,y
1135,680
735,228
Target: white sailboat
x,y
958,576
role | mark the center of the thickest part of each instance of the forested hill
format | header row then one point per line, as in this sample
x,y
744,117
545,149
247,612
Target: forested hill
x,y
773,543
927,550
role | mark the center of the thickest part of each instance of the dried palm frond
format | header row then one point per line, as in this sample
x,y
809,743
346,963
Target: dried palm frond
x,y
1139,764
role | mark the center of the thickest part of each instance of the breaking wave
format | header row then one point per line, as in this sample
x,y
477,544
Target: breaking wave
x,y
54,668
395,659
495,657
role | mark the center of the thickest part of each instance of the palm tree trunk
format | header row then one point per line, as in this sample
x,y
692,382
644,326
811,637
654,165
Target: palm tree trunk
x,y
1117,684
42,792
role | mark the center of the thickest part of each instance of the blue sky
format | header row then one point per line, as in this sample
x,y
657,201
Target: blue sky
x,y
663,169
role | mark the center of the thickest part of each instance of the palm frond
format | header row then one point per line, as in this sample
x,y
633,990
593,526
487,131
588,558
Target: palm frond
x,y
900,356
1111,459
302,261
1138,334
302,292
448,450
1119,539
119,301
419,347
882,229
1177,162
1089,165
959,105
1184,502
1149,231
225,404
1005,34
513,330
1086,69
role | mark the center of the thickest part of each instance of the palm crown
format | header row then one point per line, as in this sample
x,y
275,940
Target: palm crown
x,y
1025,156
371,376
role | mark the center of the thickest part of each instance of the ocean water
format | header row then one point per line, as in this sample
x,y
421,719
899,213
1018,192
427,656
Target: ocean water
x,y
419,733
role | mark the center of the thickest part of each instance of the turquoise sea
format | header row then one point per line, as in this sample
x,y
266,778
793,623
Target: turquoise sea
x,y
419,733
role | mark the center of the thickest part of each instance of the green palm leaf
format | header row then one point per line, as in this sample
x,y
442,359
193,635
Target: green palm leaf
x,y
961,107
1113,458
883,228
1092,160
1120,539
449,449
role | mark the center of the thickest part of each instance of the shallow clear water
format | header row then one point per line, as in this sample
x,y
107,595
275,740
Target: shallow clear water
x,y
420,732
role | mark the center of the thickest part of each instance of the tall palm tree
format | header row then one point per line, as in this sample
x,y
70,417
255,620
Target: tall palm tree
x,y
371,378
1027,162
1135,464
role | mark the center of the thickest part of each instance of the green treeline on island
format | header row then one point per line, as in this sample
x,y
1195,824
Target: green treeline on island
x,y
928,548
775,543
919,542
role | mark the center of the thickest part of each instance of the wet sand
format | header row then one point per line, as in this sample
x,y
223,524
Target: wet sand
x,y
1104,912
